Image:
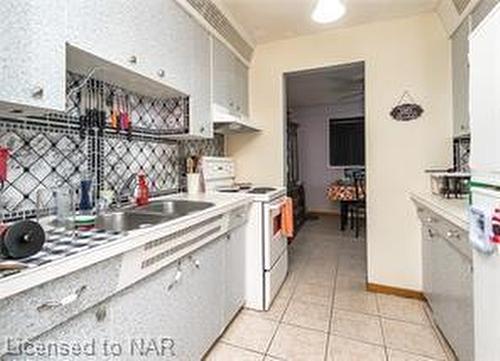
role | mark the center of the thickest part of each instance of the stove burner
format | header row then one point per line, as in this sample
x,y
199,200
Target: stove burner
x,y
261,190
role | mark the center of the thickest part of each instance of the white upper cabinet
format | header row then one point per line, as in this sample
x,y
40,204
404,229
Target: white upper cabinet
x,y
156,39
230,83
32,54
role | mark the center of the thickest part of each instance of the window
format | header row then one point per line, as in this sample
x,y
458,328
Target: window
x,y
346,142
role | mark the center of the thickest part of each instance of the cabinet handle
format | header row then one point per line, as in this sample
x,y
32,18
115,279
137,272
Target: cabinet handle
x,y
430,233
101,314
177,278
51,305
161,73
202,129
431,220
452,234
38,92
133,59
195,262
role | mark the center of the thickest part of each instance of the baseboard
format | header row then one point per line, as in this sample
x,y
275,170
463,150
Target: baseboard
x,y
395,291
324,212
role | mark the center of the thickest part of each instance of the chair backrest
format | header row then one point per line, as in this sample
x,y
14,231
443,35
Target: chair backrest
x,y
360,183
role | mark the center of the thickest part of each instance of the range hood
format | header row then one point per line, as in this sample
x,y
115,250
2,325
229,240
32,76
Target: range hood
x,y
226,122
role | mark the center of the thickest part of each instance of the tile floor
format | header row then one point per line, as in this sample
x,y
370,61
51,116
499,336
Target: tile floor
x,y
324,313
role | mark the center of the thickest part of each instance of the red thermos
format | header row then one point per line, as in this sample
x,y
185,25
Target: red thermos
x,y
142,194
4,157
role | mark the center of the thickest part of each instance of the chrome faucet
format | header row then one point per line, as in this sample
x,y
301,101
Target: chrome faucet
x,y
126,189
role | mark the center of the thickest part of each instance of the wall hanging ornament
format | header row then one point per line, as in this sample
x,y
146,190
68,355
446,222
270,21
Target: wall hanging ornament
x,y
406,109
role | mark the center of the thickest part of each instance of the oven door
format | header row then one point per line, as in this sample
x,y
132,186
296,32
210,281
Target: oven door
x,y
274,240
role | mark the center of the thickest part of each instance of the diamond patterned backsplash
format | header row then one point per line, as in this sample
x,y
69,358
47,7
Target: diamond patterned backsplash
x,y
52,154
461,154
159,160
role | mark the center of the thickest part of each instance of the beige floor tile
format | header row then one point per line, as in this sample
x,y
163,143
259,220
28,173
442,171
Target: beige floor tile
x,y
308,315
322,279
298,344
403,356
275,313
362,302
403,309
250,332
343,349
357,326
313,293
225,352
346,283
419,339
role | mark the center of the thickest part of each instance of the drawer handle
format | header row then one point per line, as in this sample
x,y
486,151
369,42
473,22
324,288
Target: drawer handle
x,y
72,298
431,220
177,278
38,92
195,262
452,234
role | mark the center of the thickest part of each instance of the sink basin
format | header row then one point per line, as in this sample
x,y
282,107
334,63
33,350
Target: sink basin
x,y
127,221
173,207
156,212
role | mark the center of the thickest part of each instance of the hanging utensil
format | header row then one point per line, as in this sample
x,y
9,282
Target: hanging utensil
x,y
129,120
83,112
113,116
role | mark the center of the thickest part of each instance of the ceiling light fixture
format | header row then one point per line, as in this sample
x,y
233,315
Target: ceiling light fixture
x,y
328,11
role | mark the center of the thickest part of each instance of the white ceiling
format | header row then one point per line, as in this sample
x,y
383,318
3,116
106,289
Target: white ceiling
x,y
269,20
333,86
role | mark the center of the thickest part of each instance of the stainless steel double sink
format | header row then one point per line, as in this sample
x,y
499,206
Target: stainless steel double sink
x,y
137,217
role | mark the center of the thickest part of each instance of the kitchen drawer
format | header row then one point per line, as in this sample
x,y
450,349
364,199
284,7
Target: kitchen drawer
x,y
238,217
456,236
30,313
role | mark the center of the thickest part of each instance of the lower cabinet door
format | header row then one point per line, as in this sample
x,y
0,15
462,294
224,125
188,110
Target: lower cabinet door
x,y
235,273
205,282
452,297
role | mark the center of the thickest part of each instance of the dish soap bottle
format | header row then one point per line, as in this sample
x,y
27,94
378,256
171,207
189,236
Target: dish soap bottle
x,y
142,191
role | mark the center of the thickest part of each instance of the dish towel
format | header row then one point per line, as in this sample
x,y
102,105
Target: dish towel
x,y
287,217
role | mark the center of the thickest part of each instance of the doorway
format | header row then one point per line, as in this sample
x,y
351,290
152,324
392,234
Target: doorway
x,y
325,152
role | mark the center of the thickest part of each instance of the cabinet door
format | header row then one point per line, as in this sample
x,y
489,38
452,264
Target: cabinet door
x,y
235,273
205,282
460,65
222,75
427,258
484,94
106,29
452,297
200,101
241,87
32,53
146,314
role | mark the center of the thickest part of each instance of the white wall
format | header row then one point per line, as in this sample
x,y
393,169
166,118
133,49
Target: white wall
x,y
313,151
412,54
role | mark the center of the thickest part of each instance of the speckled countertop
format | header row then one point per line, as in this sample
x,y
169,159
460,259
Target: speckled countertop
x,y
33,277
454,210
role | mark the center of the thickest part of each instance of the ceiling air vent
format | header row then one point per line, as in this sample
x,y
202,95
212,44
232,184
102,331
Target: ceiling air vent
x,y
211,13
460,5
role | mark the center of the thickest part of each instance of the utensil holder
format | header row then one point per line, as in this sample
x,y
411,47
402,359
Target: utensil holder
x,y
193,183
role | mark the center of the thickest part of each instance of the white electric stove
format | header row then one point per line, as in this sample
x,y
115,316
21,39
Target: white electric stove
x,y
266,246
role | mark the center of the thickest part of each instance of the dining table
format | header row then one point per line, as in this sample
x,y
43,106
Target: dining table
x,y
345,192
